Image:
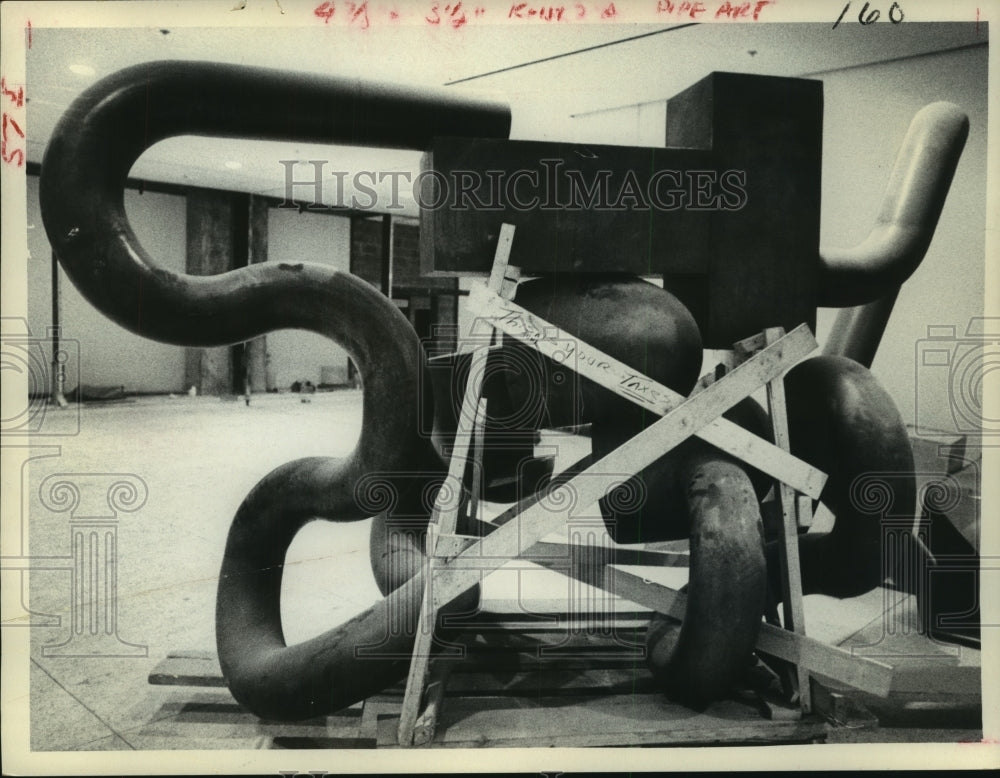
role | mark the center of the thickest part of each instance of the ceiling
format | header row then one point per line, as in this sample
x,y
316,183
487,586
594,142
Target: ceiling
x,y
550,75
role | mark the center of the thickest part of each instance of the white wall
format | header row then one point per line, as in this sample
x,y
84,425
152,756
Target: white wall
x,y
108,354
635,125
293,237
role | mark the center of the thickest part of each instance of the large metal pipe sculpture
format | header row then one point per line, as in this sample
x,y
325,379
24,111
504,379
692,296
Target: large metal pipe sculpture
x,y
84,170
840,419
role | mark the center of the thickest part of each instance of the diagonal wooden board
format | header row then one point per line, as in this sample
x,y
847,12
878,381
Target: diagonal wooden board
x,y
605,370
838,664
586,488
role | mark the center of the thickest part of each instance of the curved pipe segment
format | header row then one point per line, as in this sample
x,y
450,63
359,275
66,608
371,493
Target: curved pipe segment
x,y
108,127
698,660
914,197
105,130
857,331
341,666
841,421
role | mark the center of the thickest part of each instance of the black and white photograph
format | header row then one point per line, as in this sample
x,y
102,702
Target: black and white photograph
x,y
614,384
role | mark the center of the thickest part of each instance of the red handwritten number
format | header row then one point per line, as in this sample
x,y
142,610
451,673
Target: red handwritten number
x,y
19,153
610,12
17,97
13,124
359,11
325,11
457,15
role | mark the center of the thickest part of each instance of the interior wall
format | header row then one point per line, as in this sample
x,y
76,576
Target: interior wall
x,y
867,114
100,352
867,111
295,355
634,125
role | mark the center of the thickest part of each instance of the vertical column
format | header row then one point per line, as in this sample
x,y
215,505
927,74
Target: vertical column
x,y
906,559
93,501
210,250
256,349
15,563
387,255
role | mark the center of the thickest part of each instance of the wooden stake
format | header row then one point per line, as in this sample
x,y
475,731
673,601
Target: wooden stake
x,y
791,575
444,519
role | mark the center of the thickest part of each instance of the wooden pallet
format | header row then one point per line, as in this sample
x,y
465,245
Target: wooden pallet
x,y
517,689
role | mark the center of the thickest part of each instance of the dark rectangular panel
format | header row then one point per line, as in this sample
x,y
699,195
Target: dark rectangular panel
x,y
577,208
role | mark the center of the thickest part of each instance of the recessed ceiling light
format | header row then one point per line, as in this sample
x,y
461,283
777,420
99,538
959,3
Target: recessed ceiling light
x,y
82,70
233,164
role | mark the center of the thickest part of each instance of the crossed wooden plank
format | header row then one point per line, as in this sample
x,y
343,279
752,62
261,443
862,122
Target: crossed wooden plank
x,y
568,350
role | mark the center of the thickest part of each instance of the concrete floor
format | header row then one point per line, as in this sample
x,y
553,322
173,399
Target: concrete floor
x,y
198,457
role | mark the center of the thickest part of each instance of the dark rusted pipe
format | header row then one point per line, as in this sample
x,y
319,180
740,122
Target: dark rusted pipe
x,y
914,197
343,665
698,660
106,129
857,331
841,421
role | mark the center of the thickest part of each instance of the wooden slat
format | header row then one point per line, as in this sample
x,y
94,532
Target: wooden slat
x,y
425,726
445,516
226,720
573,553
923,668
556,683
605,720
618,377
791,574
558,623
187,671
831,662
478,440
